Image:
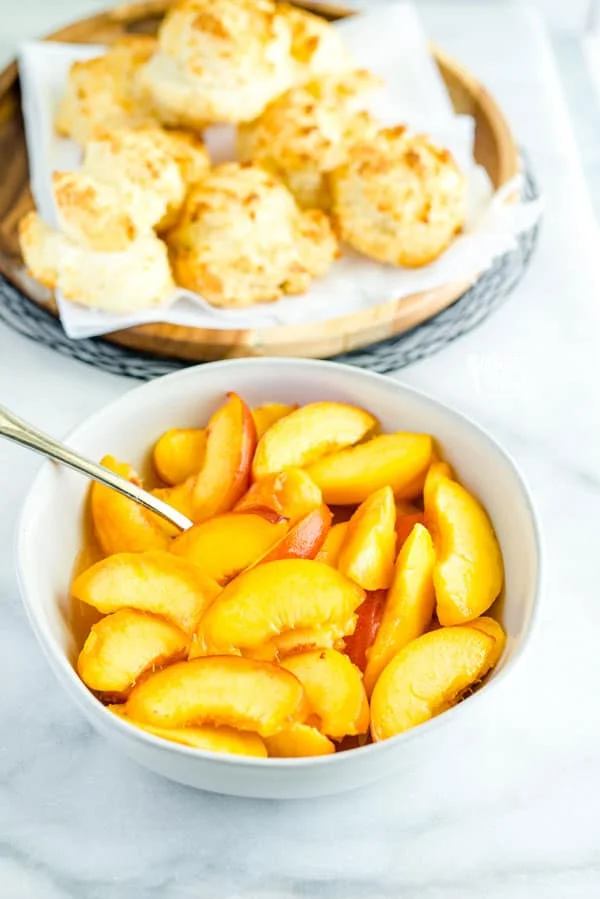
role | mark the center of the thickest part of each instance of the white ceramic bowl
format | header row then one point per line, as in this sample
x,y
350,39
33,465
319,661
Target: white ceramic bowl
x,y
50,535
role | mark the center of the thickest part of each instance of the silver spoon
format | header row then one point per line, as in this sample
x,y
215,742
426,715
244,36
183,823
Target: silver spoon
x,y
21,432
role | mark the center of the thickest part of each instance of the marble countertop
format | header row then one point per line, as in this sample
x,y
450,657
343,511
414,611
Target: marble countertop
x,y
510,809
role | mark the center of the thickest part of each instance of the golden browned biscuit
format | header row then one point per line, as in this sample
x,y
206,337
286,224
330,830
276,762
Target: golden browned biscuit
x,y
138,278
218,61
103,92
399,198
317,47
241,239
89,213
139,165
40,246
308,131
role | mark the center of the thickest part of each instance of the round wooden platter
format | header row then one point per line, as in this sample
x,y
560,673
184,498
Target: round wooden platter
x,y
495,150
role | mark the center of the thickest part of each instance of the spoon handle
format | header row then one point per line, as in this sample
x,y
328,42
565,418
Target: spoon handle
x,y
21,432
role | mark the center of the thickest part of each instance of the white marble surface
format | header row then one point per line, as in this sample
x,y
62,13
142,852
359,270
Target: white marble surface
x,y
510,807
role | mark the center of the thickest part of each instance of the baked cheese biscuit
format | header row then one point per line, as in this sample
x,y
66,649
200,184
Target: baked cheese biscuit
x,y
308,132
241,239
103,92
399,198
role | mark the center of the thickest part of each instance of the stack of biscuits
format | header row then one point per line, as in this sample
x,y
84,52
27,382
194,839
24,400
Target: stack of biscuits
x,y
147,212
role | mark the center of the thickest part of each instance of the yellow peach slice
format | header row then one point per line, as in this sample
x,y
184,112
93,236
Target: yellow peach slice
x,y
224,477
124,645
368,552
227,544
209,738
309,433
178,454
409,606
272,599
468,573
291,493
220,690
494,630
180,497
334,689
156,582
399,461
267,415
429,676
122,525
299,741
331,549
437,470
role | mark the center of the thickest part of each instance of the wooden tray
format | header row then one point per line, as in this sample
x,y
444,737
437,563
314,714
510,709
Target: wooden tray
x,y
495,150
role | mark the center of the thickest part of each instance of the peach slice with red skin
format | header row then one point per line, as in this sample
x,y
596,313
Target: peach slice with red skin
x,y
309,433
225,474
178,454
227,544
120,524
431,674
369,614
332,547
224,477
304,539
334,689
291,493
350,476
122,646
156,582
409,606
220,690
369,549
469,573
209,738
273,599
299,741
267,415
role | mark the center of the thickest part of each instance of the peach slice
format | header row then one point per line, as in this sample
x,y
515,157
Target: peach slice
x,y
220,690
309,433
230,443
292,493
368,552
122,525
437,470
300,639
399,461
494,630
180,497
227,544
156,582
275,598
410,603
332,547
120,647
178,454
468,574
429,676
267,415
299,741
209,738
305,539
370,614
334,689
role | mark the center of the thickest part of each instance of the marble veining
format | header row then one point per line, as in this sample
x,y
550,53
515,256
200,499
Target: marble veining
x,y
506,803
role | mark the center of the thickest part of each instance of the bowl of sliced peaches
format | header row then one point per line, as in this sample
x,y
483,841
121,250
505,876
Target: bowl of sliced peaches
x,y
363,565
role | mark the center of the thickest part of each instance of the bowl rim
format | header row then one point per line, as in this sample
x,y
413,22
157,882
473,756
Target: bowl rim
x,y
59,662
